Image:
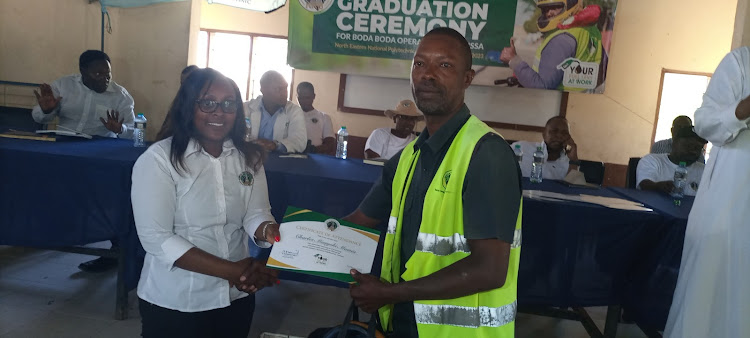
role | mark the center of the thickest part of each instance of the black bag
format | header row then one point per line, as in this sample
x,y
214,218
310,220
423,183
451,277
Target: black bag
x,y
351,327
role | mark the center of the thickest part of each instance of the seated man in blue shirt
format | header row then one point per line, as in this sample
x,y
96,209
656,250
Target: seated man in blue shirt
x,y
277,124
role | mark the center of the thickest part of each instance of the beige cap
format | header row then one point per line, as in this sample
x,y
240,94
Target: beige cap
x,y
406,108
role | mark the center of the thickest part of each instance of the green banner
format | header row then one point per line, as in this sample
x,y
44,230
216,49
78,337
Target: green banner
x,y
392,28
379,38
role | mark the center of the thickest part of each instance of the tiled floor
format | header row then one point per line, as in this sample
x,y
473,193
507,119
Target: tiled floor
x,y
43,294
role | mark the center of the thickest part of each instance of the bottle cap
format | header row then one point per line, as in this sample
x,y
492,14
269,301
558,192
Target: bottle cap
x,y
343,127
683,164
518,146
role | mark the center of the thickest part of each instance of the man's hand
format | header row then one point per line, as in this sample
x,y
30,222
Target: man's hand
x,y
369,293
665,186
253,275
508,53
46,99
113,122
571,149
743,109
266,144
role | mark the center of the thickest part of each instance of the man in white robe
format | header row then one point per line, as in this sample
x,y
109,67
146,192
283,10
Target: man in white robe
x,y
712,298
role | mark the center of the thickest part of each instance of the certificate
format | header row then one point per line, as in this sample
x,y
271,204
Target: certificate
x,y
315,244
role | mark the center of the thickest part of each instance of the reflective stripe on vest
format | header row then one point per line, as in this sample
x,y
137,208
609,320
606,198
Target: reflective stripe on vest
x,y
392,221
516,239
441,246
464,316
446,245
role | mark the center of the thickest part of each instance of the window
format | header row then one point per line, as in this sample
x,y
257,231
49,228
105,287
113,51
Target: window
x,y
681,93
243,58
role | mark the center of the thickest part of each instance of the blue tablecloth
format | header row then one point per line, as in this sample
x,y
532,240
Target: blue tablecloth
x,y
578,254
69,192
650,294
76,191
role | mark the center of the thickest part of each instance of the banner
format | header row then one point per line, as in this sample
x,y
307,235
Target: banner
x,y
508,38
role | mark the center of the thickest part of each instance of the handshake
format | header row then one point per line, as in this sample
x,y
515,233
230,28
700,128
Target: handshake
x,y
251,275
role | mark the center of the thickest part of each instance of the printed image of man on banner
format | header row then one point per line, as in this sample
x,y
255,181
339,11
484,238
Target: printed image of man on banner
x,y
571,56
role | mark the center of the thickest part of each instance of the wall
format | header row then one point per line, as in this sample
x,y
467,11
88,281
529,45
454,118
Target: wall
x,y
28,52
686,35
149,68
41,40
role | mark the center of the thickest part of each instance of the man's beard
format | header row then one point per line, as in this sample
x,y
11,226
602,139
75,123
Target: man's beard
x,y
435,106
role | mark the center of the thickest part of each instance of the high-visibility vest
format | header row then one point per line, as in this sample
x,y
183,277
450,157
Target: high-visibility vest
x,y
441,242
588,48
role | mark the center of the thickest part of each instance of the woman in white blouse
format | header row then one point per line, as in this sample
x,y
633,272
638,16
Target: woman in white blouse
x,y
196,195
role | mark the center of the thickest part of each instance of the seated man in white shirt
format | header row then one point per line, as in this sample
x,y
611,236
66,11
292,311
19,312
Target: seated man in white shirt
x,y
92,104
656,171
88,102
276,123
665,146
560,151
320,137
383,143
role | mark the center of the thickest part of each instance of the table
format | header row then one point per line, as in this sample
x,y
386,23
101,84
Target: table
x,y
68,193
583,257
72,192
579,254
649,296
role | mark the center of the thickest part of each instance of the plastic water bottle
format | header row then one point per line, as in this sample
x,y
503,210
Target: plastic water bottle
x,y
537,167
248,130
139,134
680,180
519,154
341,142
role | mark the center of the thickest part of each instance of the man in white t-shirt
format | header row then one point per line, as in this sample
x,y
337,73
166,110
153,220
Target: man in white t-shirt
x,y
560,151
383,143
656,171
320,137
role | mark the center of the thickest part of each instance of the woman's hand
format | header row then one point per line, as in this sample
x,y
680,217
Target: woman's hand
x,y
269,232
252,275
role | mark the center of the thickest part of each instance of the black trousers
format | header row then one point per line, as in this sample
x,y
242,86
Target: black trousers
x,y
231,321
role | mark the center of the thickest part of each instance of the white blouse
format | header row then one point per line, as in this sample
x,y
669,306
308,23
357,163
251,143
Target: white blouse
x,y
206,206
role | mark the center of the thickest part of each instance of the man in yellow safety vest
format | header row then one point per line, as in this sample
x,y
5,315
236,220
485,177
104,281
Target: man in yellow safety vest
x,y
452,198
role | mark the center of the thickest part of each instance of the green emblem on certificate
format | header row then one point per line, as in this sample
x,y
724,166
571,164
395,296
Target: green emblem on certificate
x,y
246,178
332,224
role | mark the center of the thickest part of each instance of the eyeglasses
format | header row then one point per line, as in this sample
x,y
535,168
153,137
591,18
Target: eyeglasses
x,y
210,106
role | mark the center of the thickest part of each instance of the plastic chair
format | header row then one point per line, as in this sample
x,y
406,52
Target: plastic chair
x,y
593,171
632,166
